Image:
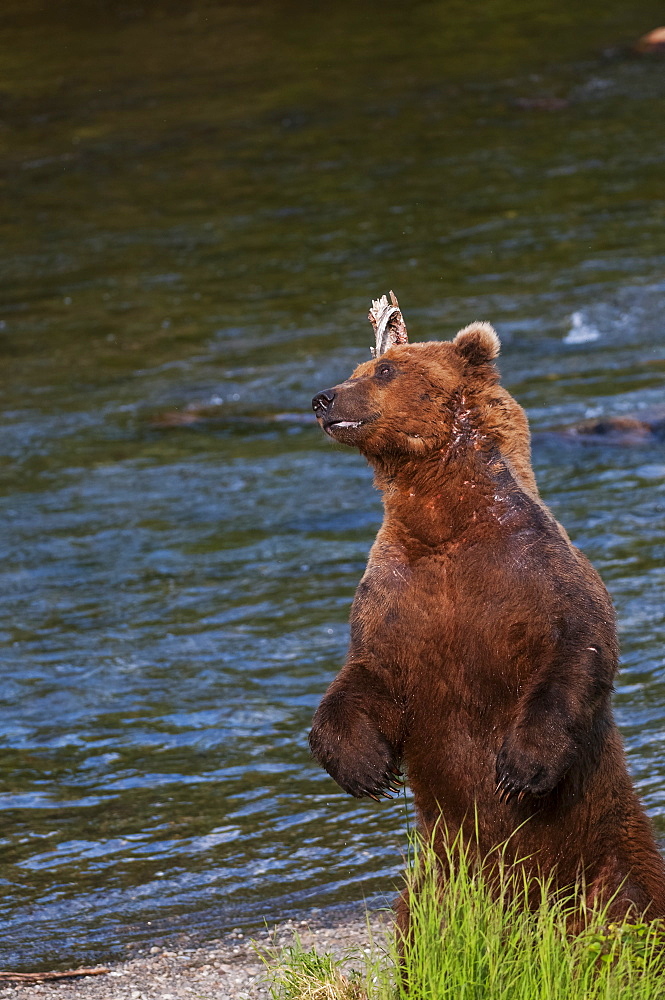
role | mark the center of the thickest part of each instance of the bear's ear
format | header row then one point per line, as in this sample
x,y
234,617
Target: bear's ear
x,y
477,343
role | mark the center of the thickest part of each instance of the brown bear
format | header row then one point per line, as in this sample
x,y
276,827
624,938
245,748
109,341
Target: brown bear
x,y
483,643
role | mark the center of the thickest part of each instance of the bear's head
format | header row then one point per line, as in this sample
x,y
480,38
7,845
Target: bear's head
x,y
418,399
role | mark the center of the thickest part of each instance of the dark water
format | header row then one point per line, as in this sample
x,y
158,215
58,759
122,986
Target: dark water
x,y
199,201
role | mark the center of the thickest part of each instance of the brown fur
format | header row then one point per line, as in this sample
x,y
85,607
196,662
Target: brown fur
x,y
483,644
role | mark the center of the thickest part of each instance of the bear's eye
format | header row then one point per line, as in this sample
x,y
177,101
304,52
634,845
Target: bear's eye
x,y
385,371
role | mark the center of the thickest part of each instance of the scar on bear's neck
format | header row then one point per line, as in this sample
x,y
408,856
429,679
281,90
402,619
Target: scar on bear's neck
x,y
437,501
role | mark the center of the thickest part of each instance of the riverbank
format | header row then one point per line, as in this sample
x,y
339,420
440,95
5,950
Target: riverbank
x,y
226,968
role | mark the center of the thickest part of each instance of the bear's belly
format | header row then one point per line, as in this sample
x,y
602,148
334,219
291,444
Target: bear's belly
x,y
454,672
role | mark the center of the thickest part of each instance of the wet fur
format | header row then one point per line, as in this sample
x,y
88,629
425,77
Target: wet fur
x,y
483,643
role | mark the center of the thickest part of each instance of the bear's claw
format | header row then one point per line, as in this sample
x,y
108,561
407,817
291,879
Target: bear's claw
x,y
519,774
375,788
366,766
379,789
506,790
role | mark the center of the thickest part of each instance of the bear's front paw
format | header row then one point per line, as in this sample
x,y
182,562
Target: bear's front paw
x,y
519,773
365,768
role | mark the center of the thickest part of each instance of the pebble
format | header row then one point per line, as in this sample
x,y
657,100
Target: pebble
x,y
228,969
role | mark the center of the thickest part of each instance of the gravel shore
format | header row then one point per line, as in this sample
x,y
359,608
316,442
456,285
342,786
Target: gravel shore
x,y
225,968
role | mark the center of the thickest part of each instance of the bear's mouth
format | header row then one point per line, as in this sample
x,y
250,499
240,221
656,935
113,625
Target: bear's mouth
x,y
334,427
341,428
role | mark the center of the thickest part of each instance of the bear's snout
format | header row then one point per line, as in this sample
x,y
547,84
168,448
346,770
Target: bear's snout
x,y
322,402
341,414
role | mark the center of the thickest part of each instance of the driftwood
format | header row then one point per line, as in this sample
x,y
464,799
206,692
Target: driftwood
x,y
388,323
40,977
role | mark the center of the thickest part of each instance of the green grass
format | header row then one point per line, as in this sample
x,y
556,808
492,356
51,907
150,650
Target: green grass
x,y
507,938
306,975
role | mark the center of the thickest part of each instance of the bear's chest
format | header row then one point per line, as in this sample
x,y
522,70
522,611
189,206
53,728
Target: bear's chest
x,y
449,623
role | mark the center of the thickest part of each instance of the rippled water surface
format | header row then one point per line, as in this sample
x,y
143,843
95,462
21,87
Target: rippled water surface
x,y
201,198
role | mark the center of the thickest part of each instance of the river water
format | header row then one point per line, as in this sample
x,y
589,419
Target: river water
x,y
200,200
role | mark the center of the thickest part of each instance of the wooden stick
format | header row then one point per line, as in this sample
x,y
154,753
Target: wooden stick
x,y
36,977
388,323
